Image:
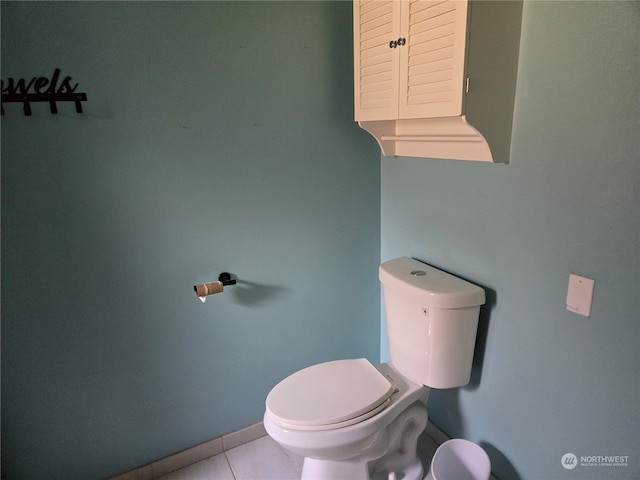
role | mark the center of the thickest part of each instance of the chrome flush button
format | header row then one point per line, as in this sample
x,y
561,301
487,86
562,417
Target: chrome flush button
x,y
418,273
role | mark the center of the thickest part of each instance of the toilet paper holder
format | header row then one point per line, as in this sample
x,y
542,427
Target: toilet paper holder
x,y
225,278
205,289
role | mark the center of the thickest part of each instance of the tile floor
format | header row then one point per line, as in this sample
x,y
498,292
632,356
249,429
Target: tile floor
x,y
263,459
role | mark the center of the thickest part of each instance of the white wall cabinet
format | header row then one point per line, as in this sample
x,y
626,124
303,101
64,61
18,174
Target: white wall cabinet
x,y
437,78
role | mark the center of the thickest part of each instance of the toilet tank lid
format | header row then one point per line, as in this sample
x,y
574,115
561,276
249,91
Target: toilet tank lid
x,y
429,285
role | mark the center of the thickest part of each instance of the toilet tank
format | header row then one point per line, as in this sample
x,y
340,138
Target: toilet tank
x,y
432,320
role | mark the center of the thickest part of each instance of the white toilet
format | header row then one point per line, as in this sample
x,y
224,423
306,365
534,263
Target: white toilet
x,y
352,420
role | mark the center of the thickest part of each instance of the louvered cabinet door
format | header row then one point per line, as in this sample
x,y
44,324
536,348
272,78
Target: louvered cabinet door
x,y
376,59
432,62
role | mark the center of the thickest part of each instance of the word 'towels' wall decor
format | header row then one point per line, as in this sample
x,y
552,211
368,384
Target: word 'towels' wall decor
x,y
42,89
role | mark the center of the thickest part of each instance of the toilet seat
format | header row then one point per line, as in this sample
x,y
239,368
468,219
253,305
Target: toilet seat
x,y
329,395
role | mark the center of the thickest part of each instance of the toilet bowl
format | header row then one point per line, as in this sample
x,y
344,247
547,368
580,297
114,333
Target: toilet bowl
x,y
351,420
372,443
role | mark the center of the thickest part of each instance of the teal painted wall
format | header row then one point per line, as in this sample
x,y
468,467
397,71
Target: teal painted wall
x,y
219,136
547,381
216,136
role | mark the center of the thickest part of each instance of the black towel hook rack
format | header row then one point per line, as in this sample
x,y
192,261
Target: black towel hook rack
x,y
42,89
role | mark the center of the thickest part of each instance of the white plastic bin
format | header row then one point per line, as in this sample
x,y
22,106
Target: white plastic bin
x,y
460,459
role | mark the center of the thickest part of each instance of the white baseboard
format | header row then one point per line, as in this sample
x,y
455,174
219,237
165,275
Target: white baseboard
x,y
219,445
434,432
194,454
